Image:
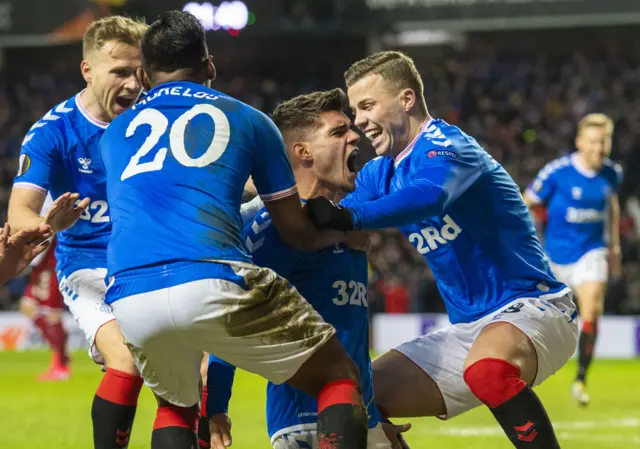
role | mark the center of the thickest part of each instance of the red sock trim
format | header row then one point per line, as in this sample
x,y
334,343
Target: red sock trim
x,y
494,381
344,391
203,406
174,416
588,327
120,387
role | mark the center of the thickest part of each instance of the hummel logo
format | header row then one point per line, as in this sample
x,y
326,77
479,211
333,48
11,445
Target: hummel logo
x,y
85,162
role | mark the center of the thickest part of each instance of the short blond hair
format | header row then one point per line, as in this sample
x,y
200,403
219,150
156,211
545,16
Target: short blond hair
x,y
395,67
112,28
598,121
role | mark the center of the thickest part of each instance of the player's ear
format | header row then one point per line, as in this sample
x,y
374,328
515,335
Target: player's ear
x,y
408,97
211,69
85,69
143,79
301,152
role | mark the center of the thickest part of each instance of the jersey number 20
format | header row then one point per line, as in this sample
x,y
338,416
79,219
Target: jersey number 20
x,y
159,124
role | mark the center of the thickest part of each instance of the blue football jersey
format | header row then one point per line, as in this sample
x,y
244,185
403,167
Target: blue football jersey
x,y
176,165
577,201
60,154
334,280
462,211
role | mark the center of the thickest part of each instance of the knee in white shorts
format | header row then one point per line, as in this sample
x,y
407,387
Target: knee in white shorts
x,y
549,323
593,266
307,438
83,292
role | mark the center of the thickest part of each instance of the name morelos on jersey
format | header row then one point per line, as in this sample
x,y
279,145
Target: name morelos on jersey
x,y
462,211
577,201
60,154
176,165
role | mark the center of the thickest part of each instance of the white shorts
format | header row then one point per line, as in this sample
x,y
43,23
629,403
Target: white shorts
x,y
307,438
593,266
550,324
83,292
267,329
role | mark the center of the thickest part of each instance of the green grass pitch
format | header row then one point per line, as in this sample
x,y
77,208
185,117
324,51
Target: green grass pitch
x,y
57,415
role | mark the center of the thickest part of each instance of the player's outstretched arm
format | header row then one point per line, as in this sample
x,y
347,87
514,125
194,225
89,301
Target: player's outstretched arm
x,y
296,229
417,201
24,208
432,187
18,250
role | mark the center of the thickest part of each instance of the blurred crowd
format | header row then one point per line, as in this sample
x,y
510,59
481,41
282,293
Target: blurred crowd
x,y
521,103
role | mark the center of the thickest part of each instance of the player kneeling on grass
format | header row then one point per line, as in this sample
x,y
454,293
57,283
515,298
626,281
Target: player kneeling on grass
x,y
322,148
514,324
581,193
181,280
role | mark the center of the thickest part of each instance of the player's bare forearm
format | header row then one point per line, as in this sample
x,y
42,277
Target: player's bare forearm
x,y
309,238
296,229
24,209
359,240
23,218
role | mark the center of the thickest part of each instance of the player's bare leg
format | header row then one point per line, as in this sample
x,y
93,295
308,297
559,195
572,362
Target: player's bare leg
x,y
403,390
332,377
590,301
49,322
400,388
499,368
115,402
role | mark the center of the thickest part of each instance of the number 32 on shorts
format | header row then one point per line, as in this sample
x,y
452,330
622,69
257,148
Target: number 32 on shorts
x,y
159,124
354,293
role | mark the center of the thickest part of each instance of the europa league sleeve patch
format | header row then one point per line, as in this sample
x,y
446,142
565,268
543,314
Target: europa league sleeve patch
x,y
23,164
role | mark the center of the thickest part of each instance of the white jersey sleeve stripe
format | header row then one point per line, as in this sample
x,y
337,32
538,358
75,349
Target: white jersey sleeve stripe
x,y
30,186
279,195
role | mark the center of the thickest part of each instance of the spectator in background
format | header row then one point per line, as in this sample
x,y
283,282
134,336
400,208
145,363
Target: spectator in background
x,y
396,296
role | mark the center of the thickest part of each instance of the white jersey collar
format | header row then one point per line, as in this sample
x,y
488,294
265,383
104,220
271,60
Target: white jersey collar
x,y
85,113
409,147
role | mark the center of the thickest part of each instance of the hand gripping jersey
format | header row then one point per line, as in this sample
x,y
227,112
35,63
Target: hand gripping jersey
x,y
577,201
464,213
60,154
334,281
176,165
